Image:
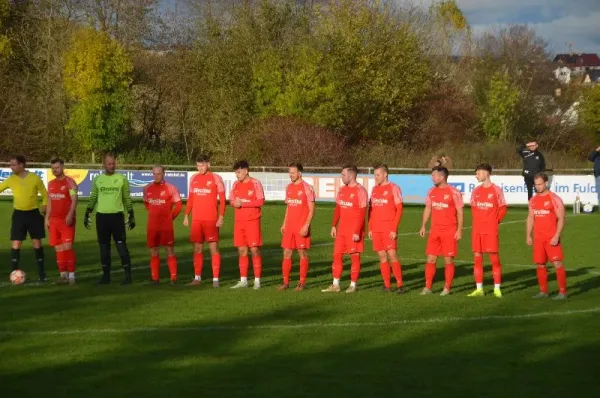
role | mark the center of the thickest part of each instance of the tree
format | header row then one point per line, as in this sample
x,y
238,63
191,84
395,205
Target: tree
x,y
590,110
498,116
4,41
97,77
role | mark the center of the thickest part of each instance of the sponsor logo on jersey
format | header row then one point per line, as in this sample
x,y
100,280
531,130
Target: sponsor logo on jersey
x,y
377,201
57,196
201,191
439,205
484,205
345,203
157,202
542,212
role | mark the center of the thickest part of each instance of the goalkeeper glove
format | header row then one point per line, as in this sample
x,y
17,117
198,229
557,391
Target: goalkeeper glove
x,y
87,222
131,220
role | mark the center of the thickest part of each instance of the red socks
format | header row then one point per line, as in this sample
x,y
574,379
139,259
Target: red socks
x,y
496,268
216,265
429,275
243,262
355,267
172,263
257,265
478,269
338,266
61,261
385,274
397,270
198,263
286,269
561,278
542,276
154,267
449,275
303,270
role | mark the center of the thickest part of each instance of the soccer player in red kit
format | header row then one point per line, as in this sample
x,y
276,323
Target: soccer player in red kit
x,y
60,220
247,197
163,203
300,200
546,220
349,234
488,208
385,212
444,204
206,203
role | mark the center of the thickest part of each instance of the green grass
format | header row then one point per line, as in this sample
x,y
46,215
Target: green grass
x,y
164,341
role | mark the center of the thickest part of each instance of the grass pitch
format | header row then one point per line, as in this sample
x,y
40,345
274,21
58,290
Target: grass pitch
x,y
163,341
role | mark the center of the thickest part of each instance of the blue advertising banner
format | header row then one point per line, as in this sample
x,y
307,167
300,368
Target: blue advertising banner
x,y
414,186
137,181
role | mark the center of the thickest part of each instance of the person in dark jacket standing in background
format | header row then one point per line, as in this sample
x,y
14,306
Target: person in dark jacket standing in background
x,y
533,163
595,157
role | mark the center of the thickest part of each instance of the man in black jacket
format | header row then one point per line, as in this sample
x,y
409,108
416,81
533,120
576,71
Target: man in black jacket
x,y
533,163
595,157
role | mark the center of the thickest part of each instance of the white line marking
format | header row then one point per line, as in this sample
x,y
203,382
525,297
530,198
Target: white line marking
x,y
212,328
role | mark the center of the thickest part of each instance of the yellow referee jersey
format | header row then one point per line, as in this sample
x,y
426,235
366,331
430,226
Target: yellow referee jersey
x,y
25,191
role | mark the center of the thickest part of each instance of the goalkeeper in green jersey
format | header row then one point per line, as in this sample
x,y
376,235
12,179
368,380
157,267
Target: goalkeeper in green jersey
x,y
111,197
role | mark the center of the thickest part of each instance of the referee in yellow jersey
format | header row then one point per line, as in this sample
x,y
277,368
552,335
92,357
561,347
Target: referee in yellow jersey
x,y
26,217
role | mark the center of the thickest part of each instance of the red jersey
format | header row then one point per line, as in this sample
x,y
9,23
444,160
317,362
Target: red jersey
x,y
297,198
252,196
488,208
350,210
205,193
443,203
60,191
386,208
544,209
160,201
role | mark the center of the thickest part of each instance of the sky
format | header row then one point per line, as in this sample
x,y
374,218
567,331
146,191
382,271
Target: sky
x,y
560,22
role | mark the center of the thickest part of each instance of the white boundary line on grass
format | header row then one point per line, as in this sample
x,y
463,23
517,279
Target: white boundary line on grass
x,y
212,328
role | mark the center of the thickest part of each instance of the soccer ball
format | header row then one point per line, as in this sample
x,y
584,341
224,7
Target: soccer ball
x,y
588,208
17,277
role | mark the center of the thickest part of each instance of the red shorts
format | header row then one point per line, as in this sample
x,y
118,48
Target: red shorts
x,y
442,244
247,233
543,251
204,231
484,243
382,241
344,244
294,241
156,237
60,232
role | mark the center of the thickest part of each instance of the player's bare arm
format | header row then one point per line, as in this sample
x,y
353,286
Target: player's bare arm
x,y
311,214
560,223
282,229
460,218
47,216
426,215
529,227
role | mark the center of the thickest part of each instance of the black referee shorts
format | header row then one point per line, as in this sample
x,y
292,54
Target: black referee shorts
x,y
27,221
110,226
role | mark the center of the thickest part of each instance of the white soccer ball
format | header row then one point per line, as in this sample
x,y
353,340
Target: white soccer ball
x,y
18,277
588,208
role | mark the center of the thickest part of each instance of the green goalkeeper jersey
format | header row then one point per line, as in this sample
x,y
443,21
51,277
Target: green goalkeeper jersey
x,y
110,194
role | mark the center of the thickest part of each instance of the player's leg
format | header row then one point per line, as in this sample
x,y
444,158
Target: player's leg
x,y
242,262
555,254
478,274
37,232
356,248
286,267
55,241
303,254
432,250
103,232
449,251
154,263
337,267
384,268
198,263
172,263
120,238
540,258
215,262
396,269
18,233
68,238
254,240
256,265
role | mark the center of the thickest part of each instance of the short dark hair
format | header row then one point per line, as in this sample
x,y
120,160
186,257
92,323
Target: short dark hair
x,y
441,169
57,160
541,175
202,158
484,166
351,167
108,155
298,166
241,164
382,166
20,159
